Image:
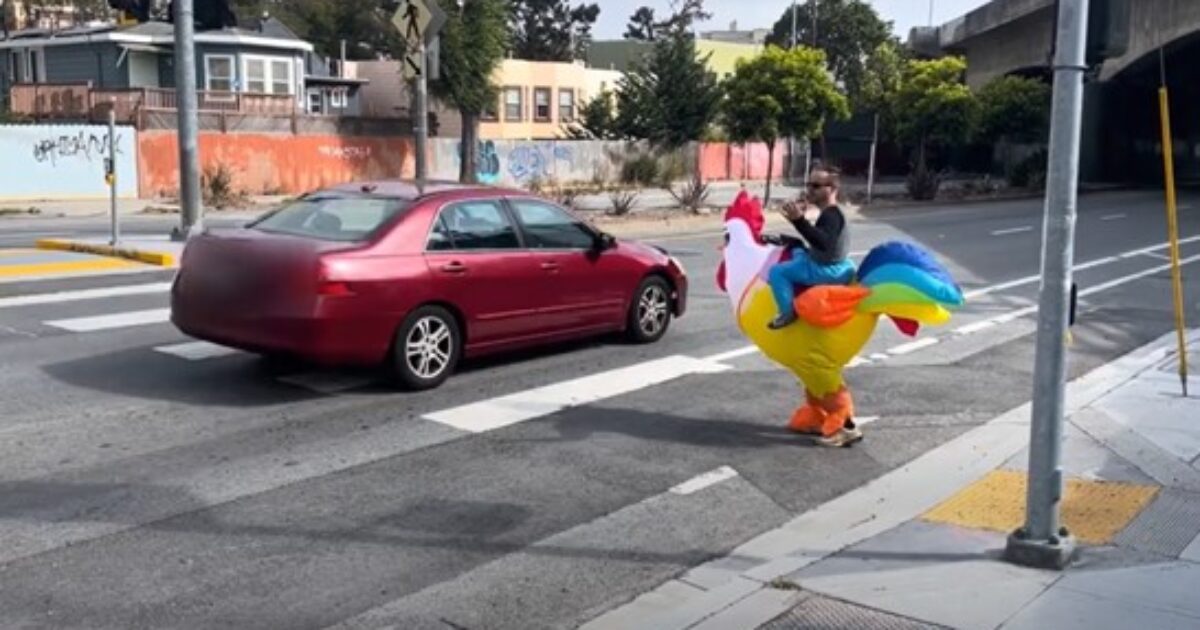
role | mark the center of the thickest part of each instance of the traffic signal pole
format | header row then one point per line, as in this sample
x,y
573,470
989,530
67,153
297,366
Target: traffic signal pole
x,y
1043,542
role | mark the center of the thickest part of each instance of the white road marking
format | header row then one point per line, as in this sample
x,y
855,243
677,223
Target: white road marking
x,y
866,420
1016,230
732,354
857,361
197,350
1157,255
700,482
879,356
328,383
504,411
974,328
1137,276
114,321
1114,217
85,294
910,348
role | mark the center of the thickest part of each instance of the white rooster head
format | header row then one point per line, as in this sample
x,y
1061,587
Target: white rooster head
x,y
745,257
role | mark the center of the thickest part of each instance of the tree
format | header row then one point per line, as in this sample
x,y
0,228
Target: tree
x,y
641,25
551,30
781,93
1015,109
684,13
933,108
597,119
365,25
847,30
474,41
883,74
669,97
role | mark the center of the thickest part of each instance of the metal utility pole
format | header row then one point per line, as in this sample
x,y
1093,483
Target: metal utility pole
x,y
191,217
795,18
813,5
110,174
931,12
1042,542
422,117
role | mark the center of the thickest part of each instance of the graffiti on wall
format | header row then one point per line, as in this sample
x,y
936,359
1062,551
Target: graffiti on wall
x,y
519,162
344,152
68,161
83,145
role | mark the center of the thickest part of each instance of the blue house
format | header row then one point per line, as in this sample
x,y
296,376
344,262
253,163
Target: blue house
x,y
263,59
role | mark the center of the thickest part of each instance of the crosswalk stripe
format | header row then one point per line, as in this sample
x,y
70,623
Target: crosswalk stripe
x,y
85,294
114,321
197,350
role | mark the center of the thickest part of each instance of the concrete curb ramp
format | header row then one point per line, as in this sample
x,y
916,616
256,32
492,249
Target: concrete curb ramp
x,y
149,257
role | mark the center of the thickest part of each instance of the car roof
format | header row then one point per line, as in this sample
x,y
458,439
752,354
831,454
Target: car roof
x,y
409,190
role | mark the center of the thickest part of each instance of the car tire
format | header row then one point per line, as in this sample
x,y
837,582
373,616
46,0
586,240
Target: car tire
x,y
649,311
426,349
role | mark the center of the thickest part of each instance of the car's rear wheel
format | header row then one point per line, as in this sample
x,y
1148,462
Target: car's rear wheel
x,y
426,349
650,311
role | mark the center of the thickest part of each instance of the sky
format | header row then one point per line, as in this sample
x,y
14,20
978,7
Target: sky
x,y
905,14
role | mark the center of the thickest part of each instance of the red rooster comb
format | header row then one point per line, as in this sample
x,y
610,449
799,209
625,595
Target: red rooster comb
x,y
748,209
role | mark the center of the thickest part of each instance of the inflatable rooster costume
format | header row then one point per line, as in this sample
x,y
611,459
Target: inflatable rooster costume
x,y
899,280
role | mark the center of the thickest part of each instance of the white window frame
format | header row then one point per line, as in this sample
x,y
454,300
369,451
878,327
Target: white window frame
x,y
338,98
269,79
219,95
25,57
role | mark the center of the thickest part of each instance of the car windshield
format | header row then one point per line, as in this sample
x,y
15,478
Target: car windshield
x,y
332,218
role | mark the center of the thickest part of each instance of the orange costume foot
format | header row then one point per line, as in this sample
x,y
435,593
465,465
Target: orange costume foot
x,y
823,416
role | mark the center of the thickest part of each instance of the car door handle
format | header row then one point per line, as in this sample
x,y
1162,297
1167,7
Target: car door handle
x,y
551,266
454,267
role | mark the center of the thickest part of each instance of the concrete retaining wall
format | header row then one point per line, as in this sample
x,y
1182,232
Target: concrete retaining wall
x,y
64,162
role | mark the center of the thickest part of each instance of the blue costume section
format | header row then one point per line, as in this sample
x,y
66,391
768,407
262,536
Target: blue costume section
x,y
803,271
911,266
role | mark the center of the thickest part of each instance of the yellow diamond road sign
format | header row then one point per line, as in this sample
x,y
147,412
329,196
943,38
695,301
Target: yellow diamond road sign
x,y
417,21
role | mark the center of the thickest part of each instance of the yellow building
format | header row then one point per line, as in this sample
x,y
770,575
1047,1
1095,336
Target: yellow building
x,y
722,56
539,99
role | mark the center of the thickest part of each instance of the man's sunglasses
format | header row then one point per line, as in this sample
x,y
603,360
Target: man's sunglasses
x,y
816,185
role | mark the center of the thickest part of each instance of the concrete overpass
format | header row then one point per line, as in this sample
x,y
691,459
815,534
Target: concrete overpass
x,y
1007,37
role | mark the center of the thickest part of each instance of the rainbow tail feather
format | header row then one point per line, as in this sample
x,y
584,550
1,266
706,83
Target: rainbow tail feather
x,y
909,285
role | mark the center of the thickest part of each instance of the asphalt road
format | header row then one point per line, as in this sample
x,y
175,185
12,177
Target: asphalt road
x,y
142,489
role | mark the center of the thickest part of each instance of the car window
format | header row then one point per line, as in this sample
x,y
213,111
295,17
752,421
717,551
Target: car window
x,y
348,219
549,227
476,225
439,237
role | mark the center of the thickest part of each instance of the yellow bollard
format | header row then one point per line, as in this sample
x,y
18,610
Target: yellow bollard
x,y
1173,234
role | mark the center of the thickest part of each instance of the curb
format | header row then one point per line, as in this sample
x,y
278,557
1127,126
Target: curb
x,y
733,585
159,259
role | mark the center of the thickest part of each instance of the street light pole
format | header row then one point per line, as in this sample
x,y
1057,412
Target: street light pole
x,y
185,91
795,18
1042,542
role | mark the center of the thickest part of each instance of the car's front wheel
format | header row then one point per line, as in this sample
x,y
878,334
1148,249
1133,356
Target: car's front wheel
x,y
426,349
650,311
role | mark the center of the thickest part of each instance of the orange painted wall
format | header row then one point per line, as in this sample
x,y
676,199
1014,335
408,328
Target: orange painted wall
x,y
274,163
723,161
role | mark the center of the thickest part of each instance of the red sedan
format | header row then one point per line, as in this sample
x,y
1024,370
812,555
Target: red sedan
x,y
386,273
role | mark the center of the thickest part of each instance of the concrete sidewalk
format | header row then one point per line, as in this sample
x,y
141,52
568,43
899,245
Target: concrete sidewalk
x,y
921,546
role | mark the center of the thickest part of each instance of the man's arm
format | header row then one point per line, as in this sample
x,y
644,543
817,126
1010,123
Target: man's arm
x,y
824,235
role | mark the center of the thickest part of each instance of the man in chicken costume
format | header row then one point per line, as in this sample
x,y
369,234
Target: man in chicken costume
x,y
898,280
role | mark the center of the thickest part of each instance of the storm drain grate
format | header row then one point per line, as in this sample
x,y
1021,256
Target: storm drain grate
x,y
1167,526
822,613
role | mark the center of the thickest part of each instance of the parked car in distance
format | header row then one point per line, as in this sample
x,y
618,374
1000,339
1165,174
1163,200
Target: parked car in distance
x,y
416,278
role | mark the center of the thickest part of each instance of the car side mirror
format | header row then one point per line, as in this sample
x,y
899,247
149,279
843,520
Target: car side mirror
x,y
605,241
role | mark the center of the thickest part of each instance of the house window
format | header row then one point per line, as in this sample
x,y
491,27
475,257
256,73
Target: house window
x,y
514,108
541,104
267,75
218,73
314,102
15,67
566,106
490,113
338,99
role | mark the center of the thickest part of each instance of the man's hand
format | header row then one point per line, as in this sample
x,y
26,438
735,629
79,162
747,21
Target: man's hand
x,y
792,211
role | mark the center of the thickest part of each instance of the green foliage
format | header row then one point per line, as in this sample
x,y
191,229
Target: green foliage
x,y
364,24
597,119
847,30
932,109
1030,172
642,170
551,30
883,76
781,93
1016,109
642,26
669,97
473,44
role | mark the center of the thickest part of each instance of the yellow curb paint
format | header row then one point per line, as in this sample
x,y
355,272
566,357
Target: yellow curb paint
x,y
74,266
1094,511
160,259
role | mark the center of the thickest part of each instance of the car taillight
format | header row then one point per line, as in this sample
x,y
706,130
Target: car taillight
x,y
334,289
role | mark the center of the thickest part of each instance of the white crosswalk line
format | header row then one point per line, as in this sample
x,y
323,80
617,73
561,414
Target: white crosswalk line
x,y
84,294
197,350
114,321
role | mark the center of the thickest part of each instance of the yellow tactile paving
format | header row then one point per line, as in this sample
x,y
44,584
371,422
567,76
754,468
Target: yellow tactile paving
x,y
1094,511
74,266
